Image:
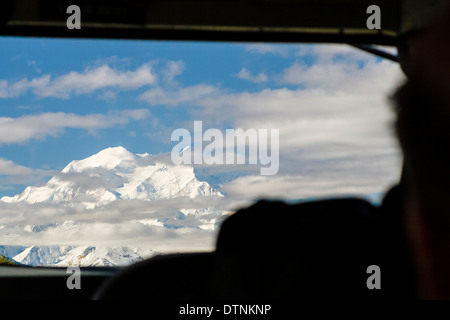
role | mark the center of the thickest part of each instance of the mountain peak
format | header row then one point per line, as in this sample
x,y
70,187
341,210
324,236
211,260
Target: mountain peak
x,y
115,151
116,174
108,158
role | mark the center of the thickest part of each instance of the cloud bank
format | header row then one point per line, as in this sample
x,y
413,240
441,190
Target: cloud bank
x,y
328,102
76,83
24,128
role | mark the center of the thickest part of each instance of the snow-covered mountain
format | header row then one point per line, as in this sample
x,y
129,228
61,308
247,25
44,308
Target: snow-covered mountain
x,y
63,256
111,176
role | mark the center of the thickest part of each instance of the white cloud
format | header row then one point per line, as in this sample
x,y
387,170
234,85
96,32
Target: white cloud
x,y
263,48
13,90
24,128
247,75
107,234
173,69
338,120
327,53
8,167
335,139
373,78
88,81
120,222
187,95
108,96
12,173
292,187
334,119
34,65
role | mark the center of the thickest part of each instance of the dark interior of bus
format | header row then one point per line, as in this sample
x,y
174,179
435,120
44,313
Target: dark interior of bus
x,y
331,242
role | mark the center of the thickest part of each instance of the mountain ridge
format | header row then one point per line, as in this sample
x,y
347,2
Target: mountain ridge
x,y
111,175
115,173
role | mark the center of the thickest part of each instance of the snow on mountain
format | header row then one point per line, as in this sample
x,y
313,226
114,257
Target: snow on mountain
x,y
35,255
113,174
110,158
63,256
11,251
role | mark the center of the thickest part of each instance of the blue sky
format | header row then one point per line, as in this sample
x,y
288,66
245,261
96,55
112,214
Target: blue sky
x,y
33,58
64,100
68,99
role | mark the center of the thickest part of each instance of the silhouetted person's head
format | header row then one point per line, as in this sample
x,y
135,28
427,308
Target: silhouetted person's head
x,y
423,127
